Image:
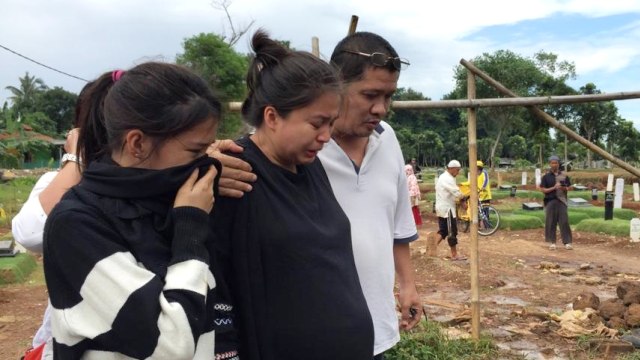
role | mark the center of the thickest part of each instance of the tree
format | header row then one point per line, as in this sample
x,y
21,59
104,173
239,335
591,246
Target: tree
x,y
39,122
624,140
517,73
516,147
555,76
222,67
594,120
236,34
24,96
540,75
430,147
59,106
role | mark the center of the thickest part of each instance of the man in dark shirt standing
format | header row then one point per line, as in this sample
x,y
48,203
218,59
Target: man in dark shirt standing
x,y
554,185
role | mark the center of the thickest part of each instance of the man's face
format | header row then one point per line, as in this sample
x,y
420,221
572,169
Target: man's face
x,y
453,171
555,165
366,103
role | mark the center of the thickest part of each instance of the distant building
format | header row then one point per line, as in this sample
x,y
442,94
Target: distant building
x,y
506,163
21,153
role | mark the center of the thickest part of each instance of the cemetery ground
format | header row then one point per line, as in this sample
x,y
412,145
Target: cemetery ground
x,y
524,286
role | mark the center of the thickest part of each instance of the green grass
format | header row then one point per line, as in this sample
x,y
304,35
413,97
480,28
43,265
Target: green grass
x,y
630,356
428,341
598,213
16,269
520,194
13,194
574,216
519,222
617,227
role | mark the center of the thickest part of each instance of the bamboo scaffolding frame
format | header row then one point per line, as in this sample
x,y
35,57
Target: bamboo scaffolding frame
x,y
554,122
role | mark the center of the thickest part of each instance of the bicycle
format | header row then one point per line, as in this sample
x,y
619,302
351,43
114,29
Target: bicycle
x,y
488,217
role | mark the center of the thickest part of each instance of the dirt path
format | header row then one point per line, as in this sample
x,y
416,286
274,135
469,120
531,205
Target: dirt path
x,y
510,282
21,309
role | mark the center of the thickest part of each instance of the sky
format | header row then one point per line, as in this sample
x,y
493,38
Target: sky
x,y
88,37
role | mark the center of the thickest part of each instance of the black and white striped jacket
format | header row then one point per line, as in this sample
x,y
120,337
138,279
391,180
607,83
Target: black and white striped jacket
x,y
125,285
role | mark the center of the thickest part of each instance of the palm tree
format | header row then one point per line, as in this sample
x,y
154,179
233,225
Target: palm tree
x,y
24,96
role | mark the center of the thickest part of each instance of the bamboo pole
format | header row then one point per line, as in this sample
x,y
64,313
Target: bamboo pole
x,y
315,46
353,24
551,120
514,101
497,102
473,201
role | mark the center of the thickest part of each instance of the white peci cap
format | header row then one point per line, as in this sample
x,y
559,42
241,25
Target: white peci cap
x,y
454,164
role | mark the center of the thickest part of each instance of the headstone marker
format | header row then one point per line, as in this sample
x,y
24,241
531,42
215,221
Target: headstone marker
x,y
610,182
538,177
636,192
608,205
617,202
524,178
578,202
6,248
532,206
634,230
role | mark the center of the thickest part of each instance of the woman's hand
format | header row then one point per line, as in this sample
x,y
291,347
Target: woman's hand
x,y
71,143
197,193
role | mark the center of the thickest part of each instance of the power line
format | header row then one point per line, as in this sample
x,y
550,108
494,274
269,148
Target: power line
x,y
41,64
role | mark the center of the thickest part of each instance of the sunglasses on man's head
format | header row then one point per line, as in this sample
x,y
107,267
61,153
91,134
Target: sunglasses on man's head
x,y
380,59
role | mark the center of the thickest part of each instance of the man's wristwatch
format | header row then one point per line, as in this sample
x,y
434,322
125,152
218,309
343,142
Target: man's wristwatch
x,y
69,157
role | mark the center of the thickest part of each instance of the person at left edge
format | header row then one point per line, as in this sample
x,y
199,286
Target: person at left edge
x,y
125,259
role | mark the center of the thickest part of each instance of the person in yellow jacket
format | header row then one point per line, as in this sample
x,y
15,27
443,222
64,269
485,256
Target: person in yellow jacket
x,y
484,184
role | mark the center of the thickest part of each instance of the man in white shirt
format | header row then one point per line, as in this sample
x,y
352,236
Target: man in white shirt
x,y
447,192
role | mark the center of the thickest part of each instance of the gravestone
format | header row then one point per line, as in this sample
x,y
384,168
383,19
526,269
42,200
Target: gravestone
x,y
578,202
538,177
634,230
619,189
532,206
610,182
579,187
608,205
6,248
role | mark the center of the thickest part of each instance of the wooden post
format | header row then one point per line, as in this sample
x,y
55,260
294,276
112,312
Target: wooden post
x,y
315,46
353,25
432,244
551,120
473,201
